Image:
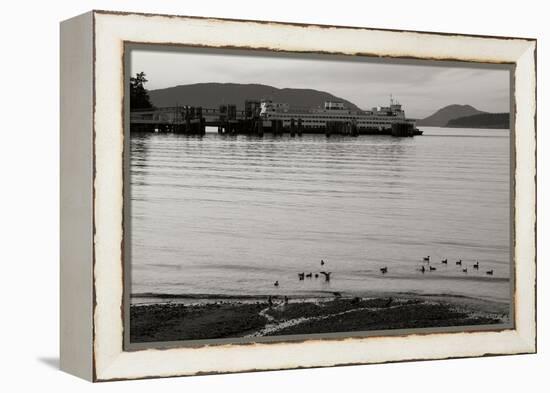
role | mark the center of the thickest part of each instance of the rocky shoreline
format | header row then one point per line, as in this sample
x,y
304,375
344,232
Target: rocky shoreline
x,y
261,317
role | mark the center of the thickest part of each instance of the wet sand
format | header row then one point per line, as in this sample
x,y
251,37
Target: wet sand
x,y
255,317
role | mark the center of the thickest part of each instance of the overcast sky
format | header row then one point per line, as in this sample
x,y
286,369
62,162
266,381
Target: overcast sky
x,y
421,89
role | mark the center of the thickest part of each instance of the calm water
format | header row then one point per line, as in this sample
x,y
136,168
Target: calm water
x,y
230,215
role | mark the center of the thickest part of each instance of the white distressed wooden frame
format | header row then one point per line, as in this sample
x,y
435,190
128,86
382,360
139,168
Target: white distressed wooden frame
x,y
92,194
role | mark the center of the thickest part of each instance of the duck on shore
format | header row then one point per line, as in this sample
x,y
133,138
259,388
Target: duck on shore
x,y
309,275
444,261
432,268
276,283
301,276
327,275
476,265
426,259
489,272
322,262
384,270
459,262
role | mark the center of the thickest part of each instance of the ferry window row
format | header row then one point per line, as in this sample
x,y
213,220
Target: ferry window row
x,y
325,117
322,124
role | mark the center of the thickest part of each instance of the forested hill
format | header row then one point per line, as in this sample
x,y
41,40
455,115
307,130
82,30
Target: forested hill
x,y
211,95
448,113
483,120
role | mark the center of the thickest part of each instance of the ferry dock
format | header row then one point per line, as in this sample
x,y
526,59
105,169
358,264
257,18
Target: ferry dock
x,y
191,120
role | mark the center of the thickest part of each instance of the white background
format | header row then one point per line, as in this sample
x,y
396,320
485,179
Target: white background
x,y
29,197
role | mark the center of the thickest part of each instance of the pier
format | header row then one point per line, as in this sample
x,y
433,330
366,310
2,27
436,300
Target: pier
x,y
194,120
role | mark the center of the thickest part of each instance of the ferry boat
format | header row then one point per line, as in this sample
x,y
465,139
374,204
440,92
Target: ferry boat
x,y
336,118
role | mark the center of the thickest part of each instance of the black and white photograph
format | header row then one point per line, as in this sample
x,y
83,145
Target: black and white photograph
x,y
269,197
273,196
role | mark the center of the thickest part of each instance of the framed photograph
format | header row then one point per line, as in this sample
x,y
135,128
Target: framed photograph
x,y
248,195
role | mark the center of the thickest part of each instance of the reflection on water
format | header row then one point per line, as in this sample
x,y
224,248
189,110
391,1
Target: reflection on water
x,y
231,215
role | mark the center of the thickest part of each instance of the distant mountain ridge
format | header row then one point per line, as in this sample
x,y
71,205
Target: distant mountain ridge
x,y
211,95
442,117
483,120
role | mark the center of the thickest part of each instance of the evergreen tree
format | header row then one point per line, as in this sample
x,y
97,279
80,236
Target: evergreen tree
x,y
139,97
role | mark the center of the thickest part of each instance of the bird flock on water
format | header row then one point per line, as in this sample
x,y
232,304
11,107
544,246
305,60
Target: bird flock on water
x,y
326,275
425,267
303,275
428,267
